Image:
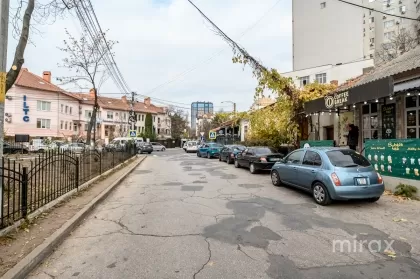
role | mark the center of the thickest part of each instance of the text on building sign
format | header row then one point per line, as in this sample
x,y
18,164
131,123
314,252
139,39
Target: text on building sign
x,y
336,100
25,109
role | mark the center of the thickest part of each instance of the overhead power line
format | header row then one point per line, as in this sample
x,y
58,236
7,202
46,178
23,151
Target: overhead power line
x,y
377,11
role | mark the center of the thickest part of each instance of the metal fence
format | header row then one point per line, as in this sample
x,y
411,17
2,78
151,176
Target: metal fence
x,y
34,182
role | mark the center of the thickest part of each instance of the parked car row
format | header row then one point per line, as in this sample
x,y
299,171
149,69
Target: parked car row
x,y
328,173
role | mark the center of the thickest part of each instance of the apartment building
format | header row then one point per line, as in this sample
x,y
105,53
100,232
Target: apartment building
x,y
35,106
380,30
326,32
330,32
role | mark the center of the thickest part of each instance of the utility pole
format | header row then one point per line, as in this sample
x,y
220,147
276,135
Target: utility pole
x,y
132,117
4,30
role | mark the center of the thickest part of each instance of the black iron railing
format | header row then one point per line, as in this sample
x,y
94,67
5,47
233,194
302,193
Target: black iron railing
x,y
33,182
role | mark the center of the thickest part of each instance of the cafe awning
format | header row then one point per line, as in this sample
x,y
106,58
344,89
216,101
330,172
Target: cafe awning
x,y
407,85
363,93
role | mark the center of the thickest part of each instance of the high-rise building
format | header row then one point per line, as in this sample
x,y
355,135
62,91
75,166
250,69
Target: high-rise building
x,y
326,32
199,109
385,32
331,32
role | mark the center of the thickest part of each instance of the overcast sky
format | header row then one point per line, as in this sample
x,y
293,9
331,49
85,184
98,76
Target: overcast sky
x,y
159,40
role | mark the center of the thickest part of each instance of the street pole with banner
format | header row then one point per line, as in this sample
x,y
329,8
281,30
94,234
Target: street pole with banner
x,y
4,28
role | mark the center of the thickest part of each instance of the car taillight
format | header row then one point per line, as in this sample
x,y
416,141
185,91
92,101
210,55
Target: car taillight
x,y
232,155
335,179
380,180
262,159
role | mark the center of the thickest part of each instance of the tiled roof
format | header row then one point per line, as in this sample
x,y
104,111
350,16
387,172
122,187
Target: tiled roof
x,y
117,104
30,80
405,62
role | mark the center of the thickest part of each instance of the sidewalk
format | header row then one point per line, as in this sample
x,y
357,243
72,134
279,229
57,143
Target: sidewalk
x,y
15,246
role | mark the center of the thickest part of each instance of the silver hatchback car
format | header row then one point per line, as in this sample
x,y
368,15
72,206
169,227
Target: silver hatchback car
x,y
329,174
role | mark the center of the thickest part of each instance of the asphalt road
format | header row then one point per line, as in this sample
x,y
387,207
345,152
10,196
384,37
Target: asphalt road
x,y
179,216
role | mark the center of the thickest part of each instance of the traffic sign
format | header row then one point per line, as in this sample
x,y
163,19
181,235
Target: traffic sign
x,y
212,135
202,134
132,133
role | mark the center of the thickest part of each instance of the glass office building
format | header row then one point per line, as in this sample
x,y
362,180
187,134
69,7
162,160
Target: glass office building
x,y
198,109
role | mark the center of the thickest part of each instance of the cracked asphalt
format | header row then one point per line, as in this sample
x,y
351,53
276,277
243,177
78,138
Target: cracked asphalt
x,y
179,216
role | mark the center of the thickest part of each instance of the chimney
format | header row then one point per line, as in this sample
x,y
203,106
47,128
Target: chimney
x,y
334,82
147,102
92,92
124,99
46,75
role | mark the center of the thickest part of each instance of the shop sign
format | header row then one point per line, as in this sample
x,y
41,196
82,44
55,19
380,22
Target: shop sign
x,y
398,158
316,143
388,121
336,100
25,110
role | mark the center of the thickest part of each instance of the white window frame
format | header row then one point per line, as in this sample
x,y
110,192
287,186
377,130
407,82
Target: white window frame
x,y
43,106
386,37
302,79
389,23
71,110
43,123
88,114
323,5
371,115
416,109
110,115
321,78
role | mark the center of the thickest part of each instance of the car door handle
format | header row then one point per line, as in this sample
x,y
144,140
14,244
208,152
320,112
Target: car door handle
x,y
313,171
295,168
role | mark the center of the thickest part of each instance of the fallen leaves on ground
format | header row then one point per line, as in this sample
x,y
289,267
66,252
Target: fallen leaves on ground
x,y
399,220
390,253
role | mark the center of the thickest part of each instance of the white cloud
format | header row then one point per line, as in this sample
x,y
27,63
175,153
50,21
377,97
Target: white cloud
x,y
159,39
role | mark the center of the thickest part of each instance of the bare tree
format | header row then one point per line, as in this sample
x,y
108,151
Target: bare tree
x,y
35,13
122,125
401,42
88,60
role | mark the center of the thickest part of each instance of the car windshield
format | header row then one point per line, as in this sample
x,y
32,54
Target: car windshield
x,y
264,150
239,147
192,143
347,158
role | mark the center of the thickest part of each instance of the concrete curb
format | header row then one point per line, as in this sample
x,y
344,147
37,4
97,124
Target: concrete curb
x,y
27,264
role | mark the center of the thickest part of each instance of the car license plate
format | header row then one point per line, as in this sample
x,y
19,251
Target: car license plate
x,y
361,181
274,159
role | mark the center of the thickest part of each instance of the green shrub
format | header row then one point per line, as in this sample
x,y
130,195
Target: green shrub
x,y
405,190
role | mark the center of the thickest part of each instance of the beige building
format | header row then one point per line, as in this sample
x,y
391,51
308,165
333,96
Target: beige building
x,y
326,32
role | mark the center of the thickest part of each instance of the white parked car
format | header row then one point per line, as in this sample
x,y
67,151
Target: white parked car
x,y
73,147
191,147
157,146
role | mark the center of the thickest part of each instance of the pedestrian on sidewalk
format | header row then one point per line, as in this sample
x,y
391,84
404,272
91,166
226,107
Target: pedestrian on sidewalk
x,y
353,137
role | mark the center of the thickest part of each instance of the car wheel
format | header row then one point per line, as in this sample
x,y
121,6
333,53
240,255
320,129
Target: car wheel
x,y
320,194
252,168
149,152
220,158
163,149
374,199
275,178
208,155
228,161
237,164
198,154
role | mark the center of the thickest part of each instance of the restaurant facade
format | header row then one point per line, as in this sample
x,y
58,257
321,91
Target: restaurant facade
x,y
385,105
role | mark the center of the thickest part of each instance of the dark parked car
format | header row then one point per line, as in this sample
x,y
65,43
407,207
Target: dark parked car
x,y
145,147
14,148
229,153
329,174
257,158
